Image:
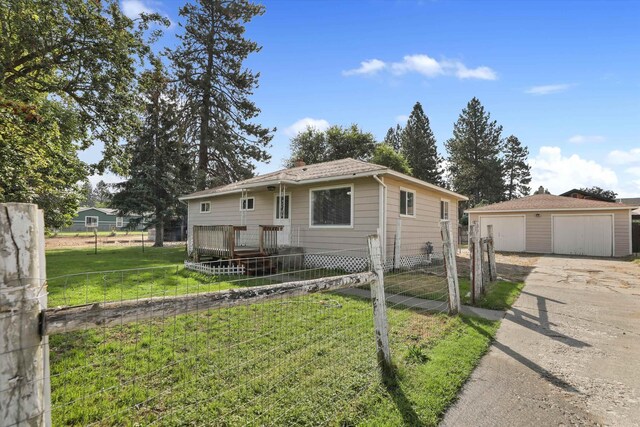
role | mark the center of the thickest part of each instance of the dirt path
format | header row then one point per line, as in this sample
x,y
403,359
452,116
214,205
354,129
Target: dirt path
x,y
566,353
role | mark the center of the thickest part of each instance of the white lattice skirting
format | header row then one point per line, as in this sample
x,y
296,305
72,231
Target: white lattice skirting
x,y
410,261
350,264
207,268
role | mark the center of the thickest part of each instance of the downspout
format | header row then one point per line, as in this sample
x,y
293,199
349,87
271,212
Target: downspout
x,y
382,215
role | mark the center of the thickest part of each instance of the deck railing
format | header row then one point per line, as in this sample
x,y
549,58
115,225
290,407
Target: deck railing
x,y
222,241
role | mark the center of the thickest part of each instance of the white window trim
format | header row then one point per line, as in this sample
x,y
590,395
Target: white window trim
x,y
119,222
248,198
91,216
275,208
448,218
415,198
311,190
202,205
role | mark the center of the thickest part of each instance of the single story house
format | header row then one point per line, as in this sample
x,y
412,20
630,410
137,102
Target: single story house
x,y
544,223
581,194
329,207
102,219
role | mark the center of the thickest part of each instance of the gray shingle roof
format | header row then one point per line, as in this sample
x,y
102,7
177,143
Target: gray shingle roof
x,y
336,168
548,202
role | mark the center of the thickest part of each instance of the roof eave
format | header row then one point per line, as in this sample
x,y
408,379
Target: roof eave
x,y
550,209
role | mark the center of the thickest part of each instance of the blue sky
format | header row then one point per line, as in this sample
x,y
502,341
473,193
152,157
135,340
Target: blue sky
x,y
563,76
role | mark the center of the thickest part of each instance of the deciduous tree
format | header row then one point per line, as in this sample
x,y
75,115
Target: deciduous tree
x,y
386,155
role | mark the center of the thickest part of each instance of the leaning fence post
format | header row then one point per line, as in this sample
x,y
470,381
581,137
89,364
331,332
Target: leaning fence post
x,y
24,377
450,266
379,306
475,248
493,272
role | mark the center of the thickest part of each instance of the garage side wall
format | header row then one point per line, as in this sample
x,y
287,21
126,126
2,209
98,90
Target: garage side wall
x,y
539,228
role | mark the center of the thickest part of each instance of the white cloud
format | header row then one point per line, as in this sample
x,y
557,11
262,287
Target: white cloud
x,y
421,64
620,157
583,139
402,119
635,171
424,65
369,67
302,125
133,8
108,178
560,173
547,89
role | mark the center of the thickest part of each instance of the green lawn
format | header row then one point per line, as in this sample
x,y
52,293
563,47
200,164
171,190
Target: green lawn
x,y
100,234
499,295
78,276
302,361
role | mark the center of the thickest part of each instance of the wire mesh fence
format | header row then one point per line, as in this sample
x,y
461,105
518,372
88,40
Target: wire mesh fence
x,y
289,340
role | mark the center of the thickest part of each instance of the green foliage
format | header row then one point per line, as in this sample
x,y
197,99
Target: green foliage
x,y
385,155
394,138
80,55
160,163
419,147
475,163
38,160
335,143
218,114
499,295
607,194
517,172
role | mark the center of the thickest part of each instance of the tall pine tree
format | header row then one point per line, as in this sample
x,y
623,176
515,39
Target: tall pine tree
x,y
160,166
474,150
393,138
419,147
216,88
517,172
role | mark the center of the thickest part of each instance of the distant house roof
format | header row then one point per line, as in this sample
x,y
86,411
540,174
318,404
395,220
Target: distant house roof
x,y
319,172
106,211
633,201
548,202
585,195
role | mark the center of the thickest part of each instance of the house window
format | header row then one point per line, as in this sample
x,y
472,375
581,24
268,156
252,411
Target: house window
x,y
205,207
90,221
407,202
331,207
247,203
444,209
119,222
282,209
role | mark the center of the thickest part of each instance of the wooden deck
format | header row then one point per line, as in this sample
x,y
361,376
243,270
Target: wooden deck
x,y
220,242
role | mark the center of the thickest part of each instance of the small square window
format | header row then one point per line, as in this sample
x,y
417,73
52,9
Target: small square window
x,y
444,209
407,202
119,222
205,207
247,204
91,221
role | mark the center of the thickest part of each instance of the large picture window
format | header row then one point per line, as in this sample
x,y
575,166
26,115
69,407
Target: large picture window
x,y
407,203
331,207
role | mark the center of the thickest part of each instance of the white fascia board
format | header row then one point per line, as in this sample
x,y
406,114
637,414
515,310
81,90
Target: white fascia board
x,y
425,184
547,210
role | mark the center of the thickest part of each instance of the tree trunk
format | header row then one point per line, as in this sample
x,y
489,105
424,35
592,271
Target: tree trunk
x,y
159,234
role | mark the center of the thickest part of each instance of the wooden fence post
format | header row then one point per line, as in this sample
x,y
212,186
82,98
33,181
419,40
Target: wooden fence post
x,y
24,376
475,251
485,262
493,272
397,247
450,266
379,307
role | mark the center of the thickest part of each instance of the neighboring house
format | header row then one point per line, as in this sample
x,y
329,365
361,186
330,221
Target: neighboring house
x,y
330,206
632,201
581,194
102,219
544,223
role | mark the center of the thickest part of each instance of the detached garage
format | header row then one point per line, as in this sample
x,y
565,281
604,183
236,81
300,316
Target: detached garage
x,y
544,223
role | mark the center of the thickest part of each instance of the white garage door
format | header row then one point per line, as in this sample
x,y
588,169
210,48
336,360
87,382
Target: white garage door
x,y
508,232
583,235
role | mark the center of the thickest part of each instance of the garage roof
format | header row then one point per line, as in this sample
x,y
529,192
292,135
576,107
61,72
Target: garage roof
x,y
548,202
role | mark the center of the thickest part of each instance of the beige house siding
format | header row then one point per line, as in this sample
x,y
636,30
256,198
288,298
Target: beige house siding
x,y
425,226
226,210
538,229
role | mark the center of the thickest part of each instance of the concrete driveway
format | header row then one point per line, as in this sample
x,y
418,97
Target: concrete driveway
x,y
567,353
